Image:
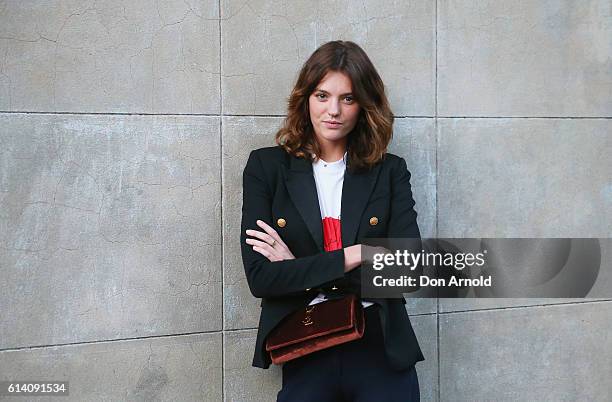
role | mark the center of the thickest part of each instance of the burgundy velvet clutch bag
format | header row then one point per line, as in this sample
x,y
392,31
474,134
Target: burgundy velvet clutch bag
x,y
316,327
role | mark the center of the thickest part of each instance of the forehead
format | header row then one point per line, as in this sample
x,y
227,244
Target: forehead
x,y
335,81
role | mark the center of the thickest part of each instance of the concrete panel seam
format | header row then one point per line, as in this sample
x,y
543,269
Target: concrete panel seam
x,y
138,338
105,113
237,330
437,134
525,306
529,117
221,202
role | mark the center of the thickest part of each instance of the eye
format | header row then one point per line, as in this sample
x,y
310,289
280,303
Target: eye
x,y
349,99
320,95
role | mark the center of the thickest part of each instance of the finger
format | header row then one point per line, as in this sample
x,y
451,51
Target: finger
x,y
269,230
258,243
276,253
265,253
260,235
262,251
272,253
273,233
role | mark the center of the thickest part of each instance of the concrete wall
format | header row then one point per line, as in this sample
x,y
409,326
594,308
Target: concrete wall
x,y
124,128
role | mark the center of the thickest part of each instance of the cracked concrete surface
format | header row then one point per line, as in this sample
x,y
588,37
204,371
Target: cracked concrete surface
x,y
186,367
527,58
111,56
124,129
128,208
264,43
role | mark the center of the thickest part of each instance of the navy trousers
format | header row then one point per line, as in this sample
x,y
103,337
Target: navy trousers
x,y
355,371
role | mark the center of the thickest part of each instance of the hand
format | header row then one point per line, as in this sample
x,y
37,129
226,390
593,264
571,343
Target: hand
x,y
269,243
352,257
370,251
356,255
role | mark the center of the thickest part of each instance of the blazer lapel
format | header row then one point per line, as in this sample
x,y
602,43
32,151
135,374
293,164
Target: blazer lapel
x,y
302,189
356,192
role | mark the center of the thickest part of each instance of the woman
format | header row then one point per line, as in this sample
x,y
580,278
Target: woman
x,y
308,204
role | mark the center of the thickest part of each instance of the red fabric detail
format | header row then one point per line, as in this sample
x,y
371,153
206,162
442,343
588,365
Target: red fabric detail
x,y
332,237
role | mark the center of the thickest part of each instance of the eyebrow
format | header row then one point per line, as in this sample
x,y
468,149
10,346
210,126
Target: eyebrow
x,y
324,91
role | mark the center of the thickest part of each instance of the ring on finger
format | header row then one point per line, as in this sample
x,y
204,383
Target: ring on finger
x,y
273,243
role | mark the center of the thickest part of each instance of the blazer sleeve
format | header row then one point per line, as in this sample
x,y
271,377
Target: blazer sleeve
x,y
403,217
277,278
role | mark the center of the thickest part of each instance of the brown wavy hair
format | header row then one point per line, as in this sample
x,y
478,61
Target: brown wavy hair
x,y
367,143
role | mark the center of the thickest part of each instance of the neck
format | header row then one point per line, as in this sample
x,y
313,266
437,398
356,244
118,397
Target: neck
x,y
332,151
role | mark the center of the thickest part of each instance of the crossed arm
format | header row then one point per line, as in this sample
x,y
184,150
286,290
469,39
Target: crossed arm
x,y
269,244
271,268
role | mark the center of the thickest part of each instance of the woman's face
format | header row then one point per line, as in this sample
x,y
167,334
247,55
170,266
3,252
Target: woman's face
x,y
333,109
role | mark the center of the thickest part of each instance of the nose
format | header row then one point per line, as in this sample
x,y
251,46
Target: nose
x,y
333,109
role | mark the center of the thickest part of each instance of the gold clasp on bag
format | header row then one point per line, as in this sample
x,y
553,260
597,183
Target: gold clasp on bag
x,y
307,318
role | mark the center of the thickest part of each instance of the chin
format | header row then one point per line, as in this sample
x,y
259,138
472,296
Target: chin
x,y
333,137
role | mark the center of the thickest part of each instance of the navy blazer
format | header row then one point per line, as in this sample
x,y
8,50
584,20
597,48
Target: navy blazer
x,y
278,186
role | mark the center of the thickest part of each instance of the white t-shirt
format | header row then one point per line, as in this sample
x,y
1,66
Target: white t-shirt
x,y
329,178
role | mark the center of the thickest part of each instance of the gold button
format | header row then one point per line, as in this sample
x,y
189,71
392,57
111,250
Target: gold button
x,y
281,222
373,221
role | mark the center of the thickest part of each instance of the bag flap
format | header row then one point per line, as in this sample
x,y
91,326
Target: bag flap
x,y
314,321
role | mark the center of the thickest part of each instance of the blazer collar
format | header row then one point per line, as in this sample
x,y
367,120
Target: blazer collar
x,y
356,190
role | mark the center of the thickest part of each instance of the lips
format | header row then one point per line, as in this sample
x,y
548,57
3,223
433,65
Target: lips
x,y
332,124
